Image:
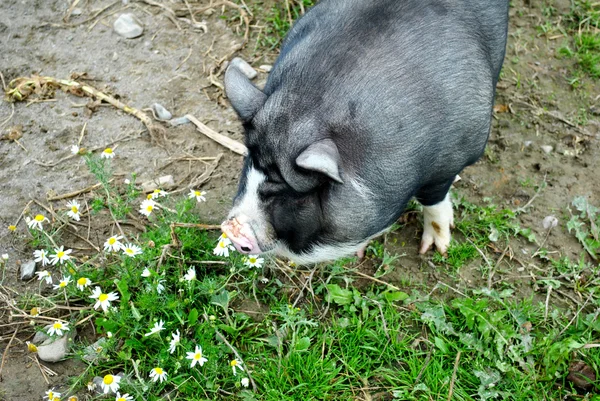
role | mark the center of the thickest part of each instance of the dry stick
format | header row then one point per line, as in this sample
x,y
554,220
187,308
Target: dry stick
x,y
3,82
547,301
86,20
453,376
6,351
374,279
41,369
69,11
574,317
218,333
12,113
184,60
75,193
229,143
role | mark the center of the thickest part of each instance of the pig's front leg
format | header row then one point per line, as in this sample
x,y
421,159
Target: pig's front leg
x,y
437,221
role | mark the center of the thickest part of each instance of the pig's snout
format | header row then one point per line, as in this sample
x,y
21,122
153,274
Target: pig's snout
x,y
242,236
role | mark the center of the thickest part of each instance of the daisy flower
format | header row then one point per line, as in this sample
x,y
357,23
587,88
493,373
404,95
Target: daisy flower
x,y
174,341
190,275
124,397
158,193
40,255
71,398
158,374
199,195
147,207
60,255
12,227
236,364
223,247
5,256
254,261
146,272
110,383
73,210
107,153
83,282
44,275
157,327
245,382
113,244
51,394
131,250
91,386
31,346
36,222
74,149
160,287
103,300
63,283
196,357
58,328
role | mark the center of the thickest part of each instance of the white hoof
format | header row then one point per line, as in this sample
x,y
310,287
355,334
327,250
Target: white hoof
x,y
437,221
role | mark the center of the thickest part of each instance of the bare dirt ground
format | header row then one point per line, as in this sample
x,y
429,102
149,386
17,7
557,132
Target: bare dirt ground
x,y
170,65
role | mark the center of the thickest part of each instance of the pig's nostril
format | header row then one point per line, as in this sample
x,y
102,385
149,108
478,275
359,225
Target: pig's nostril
x,y
245,249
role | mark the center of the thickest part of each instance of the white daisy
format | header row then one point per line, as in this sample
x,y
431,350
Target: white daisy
x,y
36,222
73,210
174,341
236,364
190,275
223,247
107,153
196,357
113,244
60,255
40,255
146,272
158,193
131,250
158,374
254,261
103,300
124,397
63,283
157,327
245,382
5,256
44,275
160,287
110,383
199,195
51,394
74,149
147,207
83,282
58,328
91,386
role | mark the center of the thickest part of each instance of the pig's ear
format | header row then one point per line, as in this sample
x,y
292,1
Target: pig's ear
x,y
322,157
245,98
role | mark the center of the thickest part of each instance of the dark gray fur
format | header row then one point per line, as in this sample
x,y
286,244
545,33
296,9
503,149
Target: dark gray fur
x,y
405,90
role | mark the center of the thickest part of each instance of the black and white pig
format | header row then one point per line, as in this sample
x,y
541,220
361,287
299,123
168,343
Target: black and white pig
x,y
370,103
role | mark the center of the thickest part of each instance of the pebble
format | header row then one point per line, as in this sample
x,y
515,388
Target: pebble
x,y
179,121
27,270
76,12
164,182
56,349
547,148
98,384
128,26
266,67
162,113
93,351
40,337
244,67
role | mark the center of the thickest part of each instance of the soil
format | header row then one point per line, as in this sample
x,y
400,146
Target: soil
x,y
170,65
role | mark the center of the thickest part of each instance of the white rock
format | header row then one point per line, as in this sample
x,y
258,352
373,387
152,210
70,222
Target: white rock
x,y
164,182
27,270
128,26
244,67
179,121
266,67
40,337
162,113
547,148
54,351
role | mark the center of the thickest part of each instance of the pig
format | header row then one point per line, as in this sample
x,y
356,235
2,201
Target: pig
x,y
369,104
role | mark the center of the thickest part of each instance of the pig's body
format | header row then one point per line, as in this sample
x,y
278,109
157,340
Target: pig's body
x,y
369,104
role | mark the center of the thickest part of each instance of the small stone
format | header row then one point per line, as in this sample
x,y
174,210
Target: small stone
x,y
266,67
76,12
179,121
27,270
128,26
98,384
164,182
547,148
40,337
92,352
55,350
244,67
162,113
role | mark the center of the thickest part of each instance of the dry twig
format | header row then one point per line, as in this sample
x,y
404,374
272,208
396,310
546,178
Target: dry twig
x,y
223,140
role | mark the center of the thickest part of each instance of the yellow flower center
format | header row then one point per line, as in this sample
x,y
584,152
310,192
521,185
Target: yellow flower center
x,y
102,297
108,379
74,209
198,355
129,251
158,371
73,398
62,284
56,399
233,363
149,208
39,217
149,196
34,311
108,151
197,193
60,254
31,347
121,399
112,240
222,244
156,191
57,326
82,281
252,260
12,227
50,395
223,235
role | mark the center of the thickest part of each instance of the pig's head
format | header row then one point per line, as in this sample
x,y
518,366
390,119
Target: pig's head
x,y
297,195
